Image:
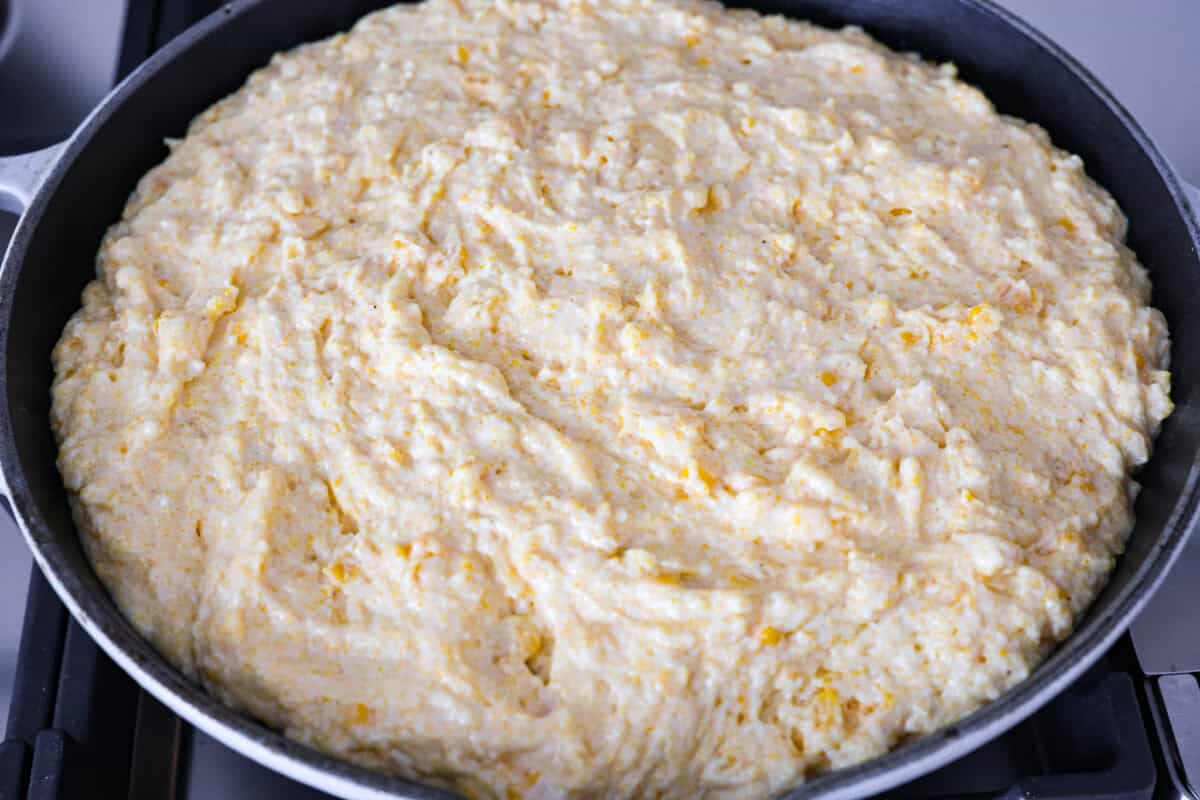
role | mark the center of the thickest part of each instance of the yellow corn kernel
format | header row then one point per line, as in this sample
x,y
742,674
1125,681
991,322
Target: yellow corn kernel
x,y
908,337
976,313
827,695
900,212
691,40
828,436
829,378
1066,224
464,55
337,571
770,636
362,713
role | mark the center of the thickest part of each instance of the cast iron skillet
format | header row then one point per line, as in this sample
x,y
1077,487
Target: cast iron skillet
x,y
71,193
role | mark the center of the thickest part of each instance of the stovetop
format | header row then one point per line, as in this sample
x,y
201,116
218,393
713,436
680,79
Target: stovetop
x,y
1129,729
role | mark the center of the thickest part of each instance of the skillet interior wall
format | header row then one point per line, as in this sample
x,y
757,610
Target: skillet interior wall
x,y
1018,76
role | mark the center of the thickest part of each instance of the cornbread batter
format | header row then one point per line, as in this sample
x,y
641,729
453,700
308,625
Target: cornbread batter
x,y
608,398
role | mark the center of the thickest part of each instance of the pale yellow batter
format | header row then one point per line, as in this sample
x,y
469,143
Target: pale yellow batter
x,y
608,399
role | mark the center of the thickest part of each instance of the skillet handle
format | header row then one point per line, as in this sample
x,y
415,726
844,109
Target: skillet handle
x,y
21,175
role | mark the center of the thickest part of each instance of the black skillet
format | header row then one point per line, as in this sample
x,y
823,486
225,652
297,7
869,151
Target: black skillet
x,y
71,193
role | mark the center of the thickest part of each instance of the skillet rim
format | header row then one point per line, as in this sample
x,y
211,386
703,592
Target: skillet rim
x,y
99,616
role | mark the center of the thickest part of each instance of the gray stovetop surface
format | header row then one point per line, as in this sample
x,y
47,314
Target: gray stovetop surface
x,y
1146,51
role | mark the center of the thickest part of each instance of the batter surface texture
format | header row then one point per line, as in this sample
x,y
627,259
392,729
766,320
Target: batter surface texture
x,y
608,399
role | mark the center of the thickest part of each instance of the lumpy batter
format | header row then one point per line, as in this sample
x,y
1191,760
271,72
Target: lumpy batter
x,y
608,399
